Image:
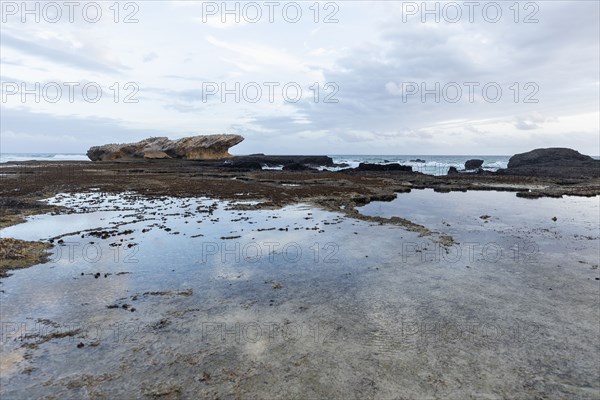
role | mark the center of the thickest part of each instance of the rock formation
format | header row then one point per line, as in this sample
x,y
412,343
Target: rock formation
x,y
312,161
383,167
553,162
298,167
203,147
553,155
473,164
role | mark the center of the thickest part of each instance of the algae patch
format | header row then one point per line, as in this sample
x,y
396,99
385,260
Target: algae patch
x,y
16,254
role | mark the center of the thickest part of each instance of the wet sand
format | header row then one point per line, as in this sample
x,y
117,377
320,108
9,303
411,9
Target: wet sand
x,y
204,282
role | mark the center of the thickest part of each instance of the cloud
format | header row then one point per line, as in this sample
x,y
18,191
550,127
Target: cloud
x,y
73,59
150,57
369,54
24,131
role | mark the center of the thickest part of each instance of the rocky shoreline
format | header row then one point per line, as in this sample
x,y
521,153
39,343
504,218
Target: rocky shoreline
x,y
547,162
24,184
396,269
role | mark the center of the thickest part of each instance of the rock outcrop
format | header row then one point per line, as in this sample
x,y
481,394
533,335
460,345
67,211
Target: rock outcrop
x,y
298,167
473,164
312,161
243,164
383,167
203,147
553,162
553,155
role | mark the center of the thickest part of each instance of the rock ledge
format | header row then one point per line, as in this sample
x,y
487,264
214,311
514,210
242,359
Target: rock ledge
x,y
202,147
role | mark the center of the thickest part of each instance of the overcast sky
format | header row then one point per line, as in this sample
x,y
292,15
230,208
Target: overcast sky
x,y
369,67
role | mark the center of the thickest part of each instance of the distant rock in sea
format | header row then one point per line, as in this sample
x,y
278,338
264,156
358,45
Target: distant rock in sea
x,y
555,162
553,155
383,167
473,164
202,147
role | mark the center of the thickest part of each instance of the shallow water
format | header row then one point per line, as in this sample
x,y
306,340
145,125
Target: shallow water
x,y
504,214
330,307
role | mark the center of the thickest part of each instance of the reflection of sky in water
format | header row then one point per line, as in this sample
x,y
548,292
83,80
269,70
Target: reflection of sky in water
x,y
459,213
368,289
182,247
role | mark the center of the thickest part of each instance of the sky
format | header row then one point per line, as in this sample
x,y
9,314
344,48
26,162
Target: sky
x,y
340,77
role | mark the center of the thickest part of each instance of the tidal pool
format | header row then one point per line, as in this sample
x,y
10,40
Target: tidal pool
x,y
193,297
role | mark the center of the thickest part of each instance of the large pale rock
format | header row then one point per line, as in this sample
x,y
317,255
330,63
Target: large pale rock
x,y
204,147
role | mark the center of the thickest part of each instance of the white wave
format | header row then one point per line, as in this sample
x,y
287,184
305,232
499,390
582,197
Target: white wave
x,y
272,167
8,157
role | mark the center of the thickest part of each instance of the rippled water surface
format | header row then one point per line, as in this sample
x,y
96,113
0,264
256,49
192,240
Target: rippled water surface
x,y
196,297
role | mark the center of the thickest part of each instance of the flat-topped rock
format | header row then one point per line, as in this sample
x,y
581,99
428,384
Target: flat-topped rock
x,y
383,167
553,155
202,147
312,161
553,162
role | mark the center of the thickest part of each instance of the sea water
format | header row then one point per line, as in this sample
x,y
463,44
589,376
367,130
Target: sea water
x,y
427,164
186,285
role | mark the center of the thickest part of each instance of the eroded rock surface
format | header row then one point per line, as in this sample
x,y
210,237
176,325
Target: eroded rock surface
x,y
203,147
553,162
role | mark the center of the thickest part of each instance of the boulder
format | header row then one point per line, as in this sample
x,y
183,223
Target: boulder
x,y
418,160
553,155
452,171
383,167
203,147
553,162
473,164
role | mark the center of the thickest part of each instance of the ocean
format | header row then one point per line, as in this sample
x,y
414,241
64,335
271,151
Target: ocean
x,y
427,164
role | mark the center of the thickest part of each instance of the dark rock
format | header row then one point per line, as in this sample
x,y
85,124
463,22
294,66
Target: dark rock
x,y
418,160
244,164
452,171
557,155
297,167
383,167
473,164
553,162
285,160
